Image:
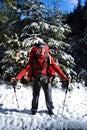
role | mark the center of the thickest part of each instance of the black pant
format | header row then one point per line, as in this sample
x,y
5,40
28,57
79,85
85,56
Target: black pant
x,y
42,81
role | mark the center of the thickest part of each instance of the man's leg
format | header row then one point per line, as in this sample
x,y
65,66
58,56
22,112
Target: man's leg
x,y
48,96
36,91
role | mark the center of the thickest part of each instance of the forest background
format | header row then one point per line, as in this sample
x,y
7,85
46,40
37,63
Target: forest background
x,y
24,22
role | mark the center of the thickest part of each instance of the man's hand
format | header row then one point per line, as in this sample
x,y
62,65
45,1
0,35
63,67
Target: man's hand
x,y
66,82
69,80
13,80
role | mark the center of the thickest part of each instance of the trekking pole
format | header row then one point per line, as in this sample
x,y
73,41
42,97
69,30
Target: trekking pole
x,y
16,96
66,85
23,128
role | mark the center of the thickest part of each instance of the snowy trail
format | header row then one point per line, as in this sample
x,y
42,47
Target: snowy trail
x,y
74,115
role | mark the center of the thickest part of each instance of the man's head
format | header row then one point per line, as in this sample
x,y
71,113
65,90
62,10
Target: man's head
x,y
41,44
41,48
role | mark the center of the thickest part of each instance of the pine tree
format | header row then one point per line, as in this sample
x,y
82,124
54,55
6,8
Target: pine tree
x,y
76,20
85,17
28,22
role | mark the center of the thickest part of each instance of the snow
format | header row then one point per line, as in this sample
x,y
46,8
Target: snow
x,y
35,25
30,41
15,116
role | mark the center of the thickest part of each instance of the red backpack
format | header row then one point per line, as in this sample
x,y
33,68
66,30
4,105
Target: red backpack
x,y
34,49
28,68
50,70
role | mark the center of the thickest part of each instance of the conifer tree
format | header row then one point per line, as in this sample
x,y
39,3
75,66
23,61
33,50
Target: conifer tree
x,y
29,21
75,20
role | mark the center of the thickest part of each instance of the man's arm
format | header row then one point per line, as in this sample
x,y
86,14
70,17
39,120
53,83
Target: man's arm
x,y
22,72
58,69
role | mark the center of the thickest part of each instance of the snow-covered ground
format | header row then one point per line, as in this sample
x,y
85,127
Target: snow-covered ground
x,y
14,118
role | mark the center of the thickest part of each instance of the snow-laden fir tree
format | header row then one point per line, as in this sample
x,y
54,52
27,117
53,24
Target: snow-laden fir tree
x,y
32,25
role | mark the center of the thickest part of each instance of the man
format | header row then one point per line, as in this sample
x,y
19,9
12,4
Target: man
x,y
41,67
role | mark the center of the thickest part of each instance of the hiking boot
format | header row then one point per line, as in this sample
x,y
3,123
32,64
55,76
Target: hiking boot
x,y
33,112
50,112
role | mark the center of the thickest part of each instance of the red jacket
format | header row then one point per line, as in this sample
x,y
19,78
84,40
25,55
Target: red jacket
x,y
39,67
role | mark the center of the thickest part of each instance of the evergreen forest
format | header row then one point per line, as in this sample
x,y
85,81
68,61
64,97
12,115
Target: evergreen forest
x,y
25,22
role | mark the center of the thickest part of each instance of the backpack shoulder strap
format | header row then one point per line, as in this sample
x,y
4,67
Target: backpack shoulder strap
x,y
46,57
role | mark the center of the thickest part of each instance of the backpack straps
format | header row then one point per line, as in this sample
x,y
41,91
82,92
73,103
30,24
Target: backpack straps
x,y
46,64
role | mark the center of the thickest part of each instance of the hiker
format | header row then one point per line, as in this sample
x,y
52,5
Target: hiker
x,y
41,67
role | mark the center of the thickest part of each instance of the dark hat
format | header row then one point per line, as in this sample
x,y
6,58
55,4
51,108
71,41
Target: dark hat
x,y
41,44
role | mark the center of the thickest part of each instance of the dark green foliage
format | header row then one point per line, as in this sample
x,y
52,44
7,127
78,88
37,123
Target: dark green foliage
x,y
23,23
78,19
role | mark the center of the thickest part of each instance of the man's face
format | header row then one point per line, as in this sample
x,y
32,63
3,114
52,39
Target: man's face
x,y
41,51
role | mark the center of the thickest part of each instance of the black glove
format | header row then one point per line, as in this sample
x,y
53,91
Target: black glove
x,y
65,84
